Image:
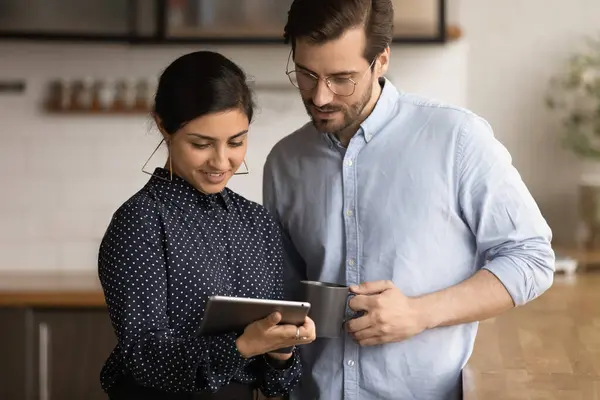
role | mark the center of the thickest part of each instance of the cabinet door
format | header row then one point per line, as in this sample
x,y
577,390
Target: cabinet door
x,y
71,348
108,17
15,352
217,20
120,20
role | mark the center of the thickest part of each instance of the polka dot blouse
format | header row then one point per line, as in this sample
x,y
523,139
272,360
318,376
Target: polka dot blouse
x,y
166,250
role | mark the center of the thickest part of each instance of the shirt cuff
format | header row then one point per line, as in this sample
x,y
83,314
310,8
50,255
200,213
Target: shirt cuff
x,y
275,366
515,280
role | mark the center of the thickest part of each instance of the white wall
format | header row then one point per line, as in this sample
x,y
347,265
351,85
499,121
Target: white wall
x,y
515,46
63,176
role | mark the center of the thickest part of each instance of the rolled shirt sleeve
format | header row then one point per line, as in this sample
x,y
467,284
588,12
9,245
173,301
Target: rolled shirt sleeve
x,y
510,231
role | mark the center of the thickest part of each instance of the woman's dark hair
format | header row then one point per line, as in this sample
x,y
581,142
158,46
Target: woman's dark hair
x,y
197,84
321,21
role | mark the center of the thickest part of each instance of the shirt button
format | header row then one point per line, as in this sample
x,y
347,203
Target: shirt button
x,y
351,363
349,163
368,137
210,212
222,248
351,262
349,213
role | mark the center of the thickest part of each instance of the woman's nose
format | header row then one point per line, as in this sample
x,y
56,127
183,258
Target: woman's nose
x,y
219,161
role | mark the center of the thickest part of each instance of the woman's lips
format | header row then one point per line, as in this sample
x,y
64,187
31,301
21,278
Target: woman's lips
x,y
215,177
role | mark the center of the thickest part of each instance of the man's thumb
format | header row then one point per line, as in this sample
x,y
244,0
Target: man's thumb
x,y
369,288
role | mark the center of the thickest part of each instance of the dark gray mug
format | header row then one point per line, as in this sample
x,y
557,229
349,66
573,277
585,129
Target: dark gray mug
x,y
328,303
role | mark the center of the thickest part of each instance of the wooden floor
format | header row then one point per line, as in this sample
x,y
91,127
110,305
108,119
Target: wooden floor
x,y
548,349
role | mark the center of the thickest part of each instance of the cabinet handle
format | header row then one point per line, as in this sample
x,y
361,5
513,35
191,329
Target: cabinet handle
x,y
44,338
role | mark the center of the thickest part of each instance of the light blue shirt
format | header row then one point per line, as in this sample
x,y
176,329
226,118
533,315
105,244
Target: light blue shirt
x,y
424,196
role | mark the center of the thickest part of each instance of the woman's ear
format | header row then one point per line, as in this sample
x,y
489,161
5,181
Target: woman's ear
x,y
161,129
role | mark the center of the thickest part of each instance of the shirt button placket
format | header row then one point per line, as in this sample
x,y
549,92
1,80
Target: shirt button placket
x,y
352,267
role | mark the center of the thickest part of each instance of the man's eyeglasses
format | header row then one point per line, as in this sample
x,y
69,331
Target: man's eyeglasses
x,y
305,81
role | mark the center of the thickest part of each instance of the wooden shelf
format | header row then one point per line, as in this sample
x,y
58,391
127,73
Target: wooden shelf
x,y
118,112
405,32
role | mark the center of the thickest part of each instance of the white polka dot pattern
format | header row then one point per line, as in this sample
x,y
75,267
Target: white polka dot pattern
x,y
165,251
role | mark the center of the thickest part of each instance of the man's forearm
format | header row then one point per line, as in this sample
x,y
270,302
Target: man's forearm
x,y
478,298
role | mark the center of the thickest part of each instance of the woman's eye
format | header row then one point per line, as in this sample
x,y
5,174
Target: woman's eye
x,y
200,146
236,144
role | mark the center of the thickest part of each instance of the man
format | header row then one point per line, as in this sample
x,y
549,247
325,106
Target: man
x,y
414,201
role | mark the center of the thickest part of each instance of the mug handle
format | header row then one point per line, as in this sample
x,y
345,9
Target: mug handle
x,y
349,314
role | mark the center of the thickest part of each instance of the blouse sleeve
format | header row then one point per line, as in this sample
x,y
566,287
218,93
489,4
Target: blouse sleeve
x,y
275,381
132,270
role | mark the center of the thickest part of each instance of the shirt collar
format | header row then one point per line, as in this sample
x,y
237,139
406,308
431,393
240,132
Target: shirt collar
x,y
183,193
384,108
379,117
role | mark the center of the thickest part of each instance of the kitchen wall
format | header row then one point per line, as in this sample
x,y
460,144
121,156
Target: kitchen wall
x,y
63,176
514,48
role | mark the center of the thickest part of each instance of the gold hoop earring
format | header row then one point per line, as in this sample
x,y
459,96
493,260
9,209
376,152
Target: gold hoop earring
x,y
170,163
246,172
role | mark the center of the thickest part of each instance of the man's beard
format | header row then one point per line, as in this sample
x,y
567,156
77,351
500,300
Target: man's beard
x,y
351,114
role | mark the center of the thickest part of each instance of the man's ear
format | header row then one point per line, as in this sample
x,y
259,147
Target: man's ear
x,y
383,62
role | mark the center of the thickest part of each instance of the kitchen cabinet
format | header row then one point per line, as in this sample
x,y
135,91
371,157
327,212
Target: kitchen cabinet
x,y
56,336
259,20
56,16
100,20
54,354
190,21
264,20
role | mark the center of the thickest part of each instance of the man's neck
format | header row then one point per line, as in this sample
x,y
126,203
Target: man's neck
x,y
345,135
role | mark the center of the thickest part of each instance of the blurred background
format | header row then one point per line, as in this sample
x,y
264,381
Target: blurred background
x,y
76,83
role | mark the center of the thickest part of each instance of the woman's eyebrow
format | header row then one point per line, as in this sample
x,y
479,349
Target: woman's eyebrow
x,y
204,137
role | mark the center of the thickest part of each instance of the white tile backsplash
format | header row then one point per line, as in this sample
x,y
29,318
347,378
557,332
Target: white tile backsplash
x,y
30,255
75,255
64,176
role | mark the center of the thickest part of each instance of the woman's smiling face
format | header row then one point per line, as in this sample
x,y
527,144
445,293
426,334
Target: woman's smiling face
x,y
208,150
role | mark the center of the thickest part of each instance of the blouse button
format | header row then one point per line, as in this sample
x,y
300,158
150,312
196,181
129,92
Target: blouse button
x,y
222,248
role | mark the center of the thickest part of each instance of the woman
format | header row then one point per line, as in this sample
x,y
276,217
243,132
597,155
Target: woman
x,y
183,237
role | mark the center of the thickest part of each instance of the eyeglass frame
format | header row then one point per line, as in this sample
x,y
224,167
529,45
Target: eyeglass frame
x,y
326,78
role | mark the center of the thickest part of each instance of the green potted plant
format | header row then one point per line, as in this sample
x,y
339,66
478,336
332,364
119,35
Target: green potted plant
x,y
575,97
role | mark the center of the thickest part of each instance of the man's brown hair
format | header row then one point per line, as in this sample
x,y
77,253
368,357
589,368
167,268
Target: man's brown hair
x,y
321,21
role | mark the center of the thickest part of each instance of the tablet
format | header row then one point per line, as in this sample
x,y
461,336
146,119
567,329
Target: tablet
x,y
232,314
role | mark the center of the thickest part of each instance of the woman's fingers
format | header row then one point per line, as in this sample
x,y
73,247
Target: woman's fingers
x,y
291,333
294,335
308,330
